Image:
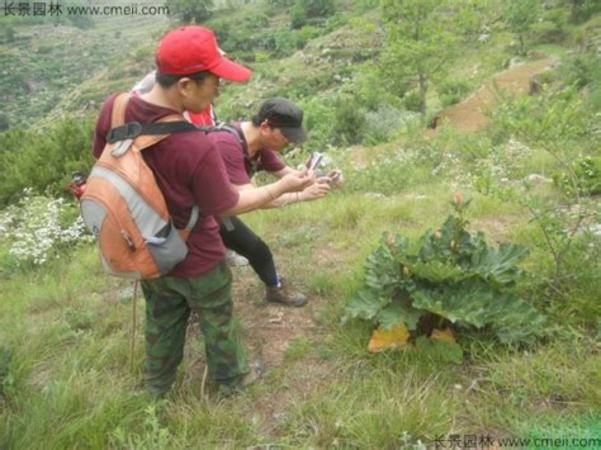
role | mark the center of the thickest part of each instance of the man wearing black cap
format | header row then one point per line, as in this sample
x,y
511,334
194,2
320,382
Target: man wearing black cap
x,y
255,146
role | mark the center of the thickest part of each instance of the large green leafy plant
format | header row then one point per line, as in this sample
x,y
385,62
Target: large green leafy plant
x,y
449,274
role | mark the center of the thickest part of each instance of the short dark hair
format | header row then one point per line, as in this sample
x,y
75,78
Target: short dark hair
x,y
166,80
257,120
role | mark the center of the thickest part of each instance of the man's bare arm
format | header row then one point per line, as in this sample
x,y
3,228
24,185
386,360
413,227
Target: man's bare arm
x,y
252,198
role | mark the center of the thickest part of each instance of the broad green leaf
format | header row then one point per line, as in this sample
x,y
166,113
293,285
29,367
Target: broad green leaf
x,y
364,305
397,313
499,265
437,271
456,305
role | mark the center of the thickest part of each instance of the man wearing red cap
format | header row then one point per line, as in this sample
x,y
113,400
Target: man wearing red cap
x,y
189,172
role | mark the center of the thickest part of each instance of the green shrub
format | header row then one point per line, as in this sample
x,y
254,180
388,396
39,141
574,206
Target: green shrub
x,y
381,125
582,10
391,172
307,33
556,117
44,160
304,10
369,88
412,101
286,41
349,122
585,176
197,11
318,119
581,70
548,32
453,91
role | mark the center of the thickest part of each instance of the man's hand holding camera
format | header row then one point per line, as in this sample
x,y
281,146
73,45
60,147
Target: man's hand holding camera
x,y
296,181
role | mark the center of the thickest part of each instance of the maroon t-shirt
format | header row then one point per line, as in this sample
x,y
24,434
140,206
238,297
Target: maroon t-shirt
x,y
234,151
189,171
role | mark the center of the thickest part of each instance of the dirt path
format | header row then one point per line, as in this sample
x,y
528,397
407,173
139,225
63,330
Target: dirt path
x,y
470,114
268,332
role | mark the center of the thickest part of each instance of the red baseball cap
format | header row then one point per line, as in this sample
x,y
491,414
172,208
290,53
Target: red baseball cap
x,y
191,49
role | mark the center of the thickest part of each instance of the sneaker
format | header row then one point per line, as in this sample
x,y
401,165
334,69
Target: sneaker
x,y
284,295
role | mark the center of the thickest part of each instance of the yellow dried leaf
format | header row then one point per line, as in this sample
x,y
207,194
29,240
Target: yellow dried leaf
x,y
445,335
395,338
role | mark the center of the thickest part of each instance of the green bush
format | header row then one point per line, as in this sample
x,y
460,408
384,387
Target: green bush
x,y
581,70
412,101
250,34
44,160
453,91
318,119
349,121
286,42
189,11
547,32
370,89
305,10
582,10
307,33
381,125
585,176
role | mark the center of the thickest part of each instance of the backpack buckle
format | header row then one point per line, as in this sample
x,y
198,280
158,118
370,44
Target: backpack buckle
x,y
121,148
130,130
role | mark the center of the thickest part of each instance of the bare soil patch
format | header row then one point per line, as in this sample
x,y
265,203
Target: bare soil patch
x,y
471,114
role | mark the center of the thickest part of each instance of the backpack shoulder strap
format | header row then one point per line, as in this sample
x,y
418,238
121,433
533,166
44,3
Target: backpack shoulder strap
x,y
224,127
118,111
173,123
153,133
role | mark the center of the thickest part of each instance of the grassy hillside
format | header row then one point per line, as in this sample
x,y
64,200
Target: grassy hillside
x,y
529,162
46,64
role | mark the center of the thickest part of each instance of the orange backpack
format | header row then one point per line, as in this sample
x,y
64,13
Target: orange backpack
x,y
123,206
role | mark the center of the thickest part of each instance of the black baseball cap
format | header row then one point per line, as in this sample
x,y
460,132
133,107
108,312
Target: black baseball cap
x,y
285,115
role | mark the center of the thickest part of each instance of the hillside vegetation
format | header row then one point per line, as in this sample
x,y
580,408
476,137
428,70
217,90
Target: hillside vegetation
x,y
473,179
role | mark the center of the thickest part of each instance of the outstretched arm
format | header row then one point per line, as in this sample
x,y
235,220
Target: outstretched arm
x,y
252,197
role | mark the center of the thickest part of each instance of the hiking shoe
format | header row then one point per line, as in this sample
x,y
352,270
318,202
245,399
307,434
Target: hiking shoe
x,y
284,295
257,369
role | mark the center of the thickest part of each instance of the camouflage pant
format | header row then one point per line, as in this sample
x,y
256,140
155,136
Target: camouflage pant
x,y
169,302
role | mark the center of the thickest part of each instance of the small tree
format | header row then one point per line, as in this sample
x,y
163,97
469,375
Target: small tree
x,y
197,11
304,10
520,16
421,37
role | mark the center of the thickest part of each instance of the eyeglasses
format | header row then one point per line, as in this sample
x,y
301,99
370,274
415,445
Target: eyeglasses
x,y
283,136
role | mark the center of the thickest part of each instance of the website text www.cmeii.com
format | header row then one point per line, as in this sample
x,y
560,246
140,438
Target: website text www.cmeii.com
x,y
57,8
457,441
